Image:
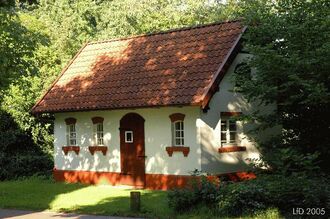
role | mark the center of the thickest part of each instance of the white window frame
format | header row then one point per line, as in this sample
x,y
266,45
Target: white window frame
x,y
99,133
71,134
227,132
178,134
126,140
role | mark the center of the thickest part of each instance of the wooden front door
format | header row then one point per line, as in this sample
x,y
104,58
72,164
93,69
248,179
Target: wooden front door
x,y
132,153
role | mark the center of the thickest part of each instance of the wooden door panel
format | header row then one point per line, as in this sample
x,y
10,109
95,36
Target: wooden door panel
x,y
133,154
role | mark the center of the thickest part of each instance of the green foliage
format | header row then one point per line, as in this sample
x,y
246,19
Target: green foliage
x,y
182,199
277,191
254,196
289,41
18,155
278,158
16,166
17,102
16,47
202,191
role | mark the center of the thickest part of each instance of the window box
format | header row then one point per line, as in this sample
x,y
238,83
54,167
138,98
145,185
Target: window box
x,y
231,149
171,149
67,149
103,149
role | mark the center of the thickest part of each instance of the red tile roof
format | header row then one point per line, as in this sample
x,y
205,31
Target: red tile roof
x,y
178,67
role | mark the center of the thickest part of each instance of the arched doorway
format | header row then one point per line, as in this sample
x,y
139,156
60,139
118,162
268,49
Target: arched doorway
x,y
132,151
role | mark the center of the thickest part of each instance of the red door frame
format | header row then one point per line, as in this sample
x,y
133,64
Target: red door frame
x,y
132,155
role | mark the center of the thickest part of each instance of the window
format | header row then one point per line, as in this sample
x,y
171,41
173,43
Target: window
x,y
71,134
178,133
99,133
128,136
177,129
98,130
228,133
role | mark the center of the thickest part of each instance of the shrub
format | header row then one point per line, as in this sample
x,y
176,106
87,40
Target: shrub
x,y
254,196
182,199
13,167
201,191
235,199
273,191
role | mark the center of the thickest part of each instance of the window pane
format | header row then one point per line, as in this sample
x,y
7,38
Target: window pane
x,y
72,135
232,126
100,127
177,126
177,134
232,136
181,125
223,125
100,141
128,136
223,137
179,141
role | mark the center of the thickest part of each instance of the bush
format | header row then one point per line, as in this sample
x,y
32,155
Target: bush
x,y
20,156
182,199
254,196
273,191
201,191
13,167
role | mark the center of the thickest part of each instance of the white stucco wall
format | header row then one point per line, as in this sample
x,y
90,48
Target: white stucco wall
x,y
209,129
157,138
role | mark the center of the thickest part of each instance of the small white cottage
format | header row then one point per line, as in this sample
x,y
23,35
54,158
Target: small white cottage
x,y
148,110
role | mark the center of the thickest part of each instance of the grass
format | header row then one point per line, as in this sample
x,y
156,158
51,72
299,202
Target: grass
x,y
45,194
41,194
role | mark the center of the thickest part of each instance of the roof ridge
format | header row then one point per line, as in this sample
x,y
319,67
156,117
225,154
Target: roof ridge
x,y
165,31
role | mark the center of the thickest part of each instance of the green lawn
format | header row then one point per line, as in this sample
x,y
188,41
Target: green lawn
x,y
41,194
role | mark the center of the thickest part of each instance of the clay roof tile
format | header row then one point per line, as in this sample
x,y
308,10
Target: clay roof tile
x,y
170,68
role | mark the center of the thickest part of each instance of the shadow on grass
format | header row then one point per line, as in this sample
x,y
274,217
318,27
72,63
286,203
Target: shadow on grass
x,y
153,205
32,193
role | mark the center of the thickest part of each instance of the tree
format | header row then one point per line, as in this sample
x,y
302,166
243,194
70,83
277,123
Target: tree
x,y
290,43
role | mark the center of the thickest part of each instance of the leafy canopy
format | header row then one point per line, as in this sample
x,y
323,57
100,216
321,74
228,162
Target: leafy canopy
x,y
290,43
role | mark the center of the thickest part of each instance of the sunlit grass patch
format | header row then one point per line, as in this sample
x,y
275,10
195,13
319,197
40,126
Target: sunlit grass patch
x,y
37,194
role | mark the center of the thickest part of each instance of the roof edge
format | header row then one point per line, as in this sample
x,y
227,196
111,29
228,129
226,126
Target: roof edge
x,y
166,31
218,76
120,108
56,80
